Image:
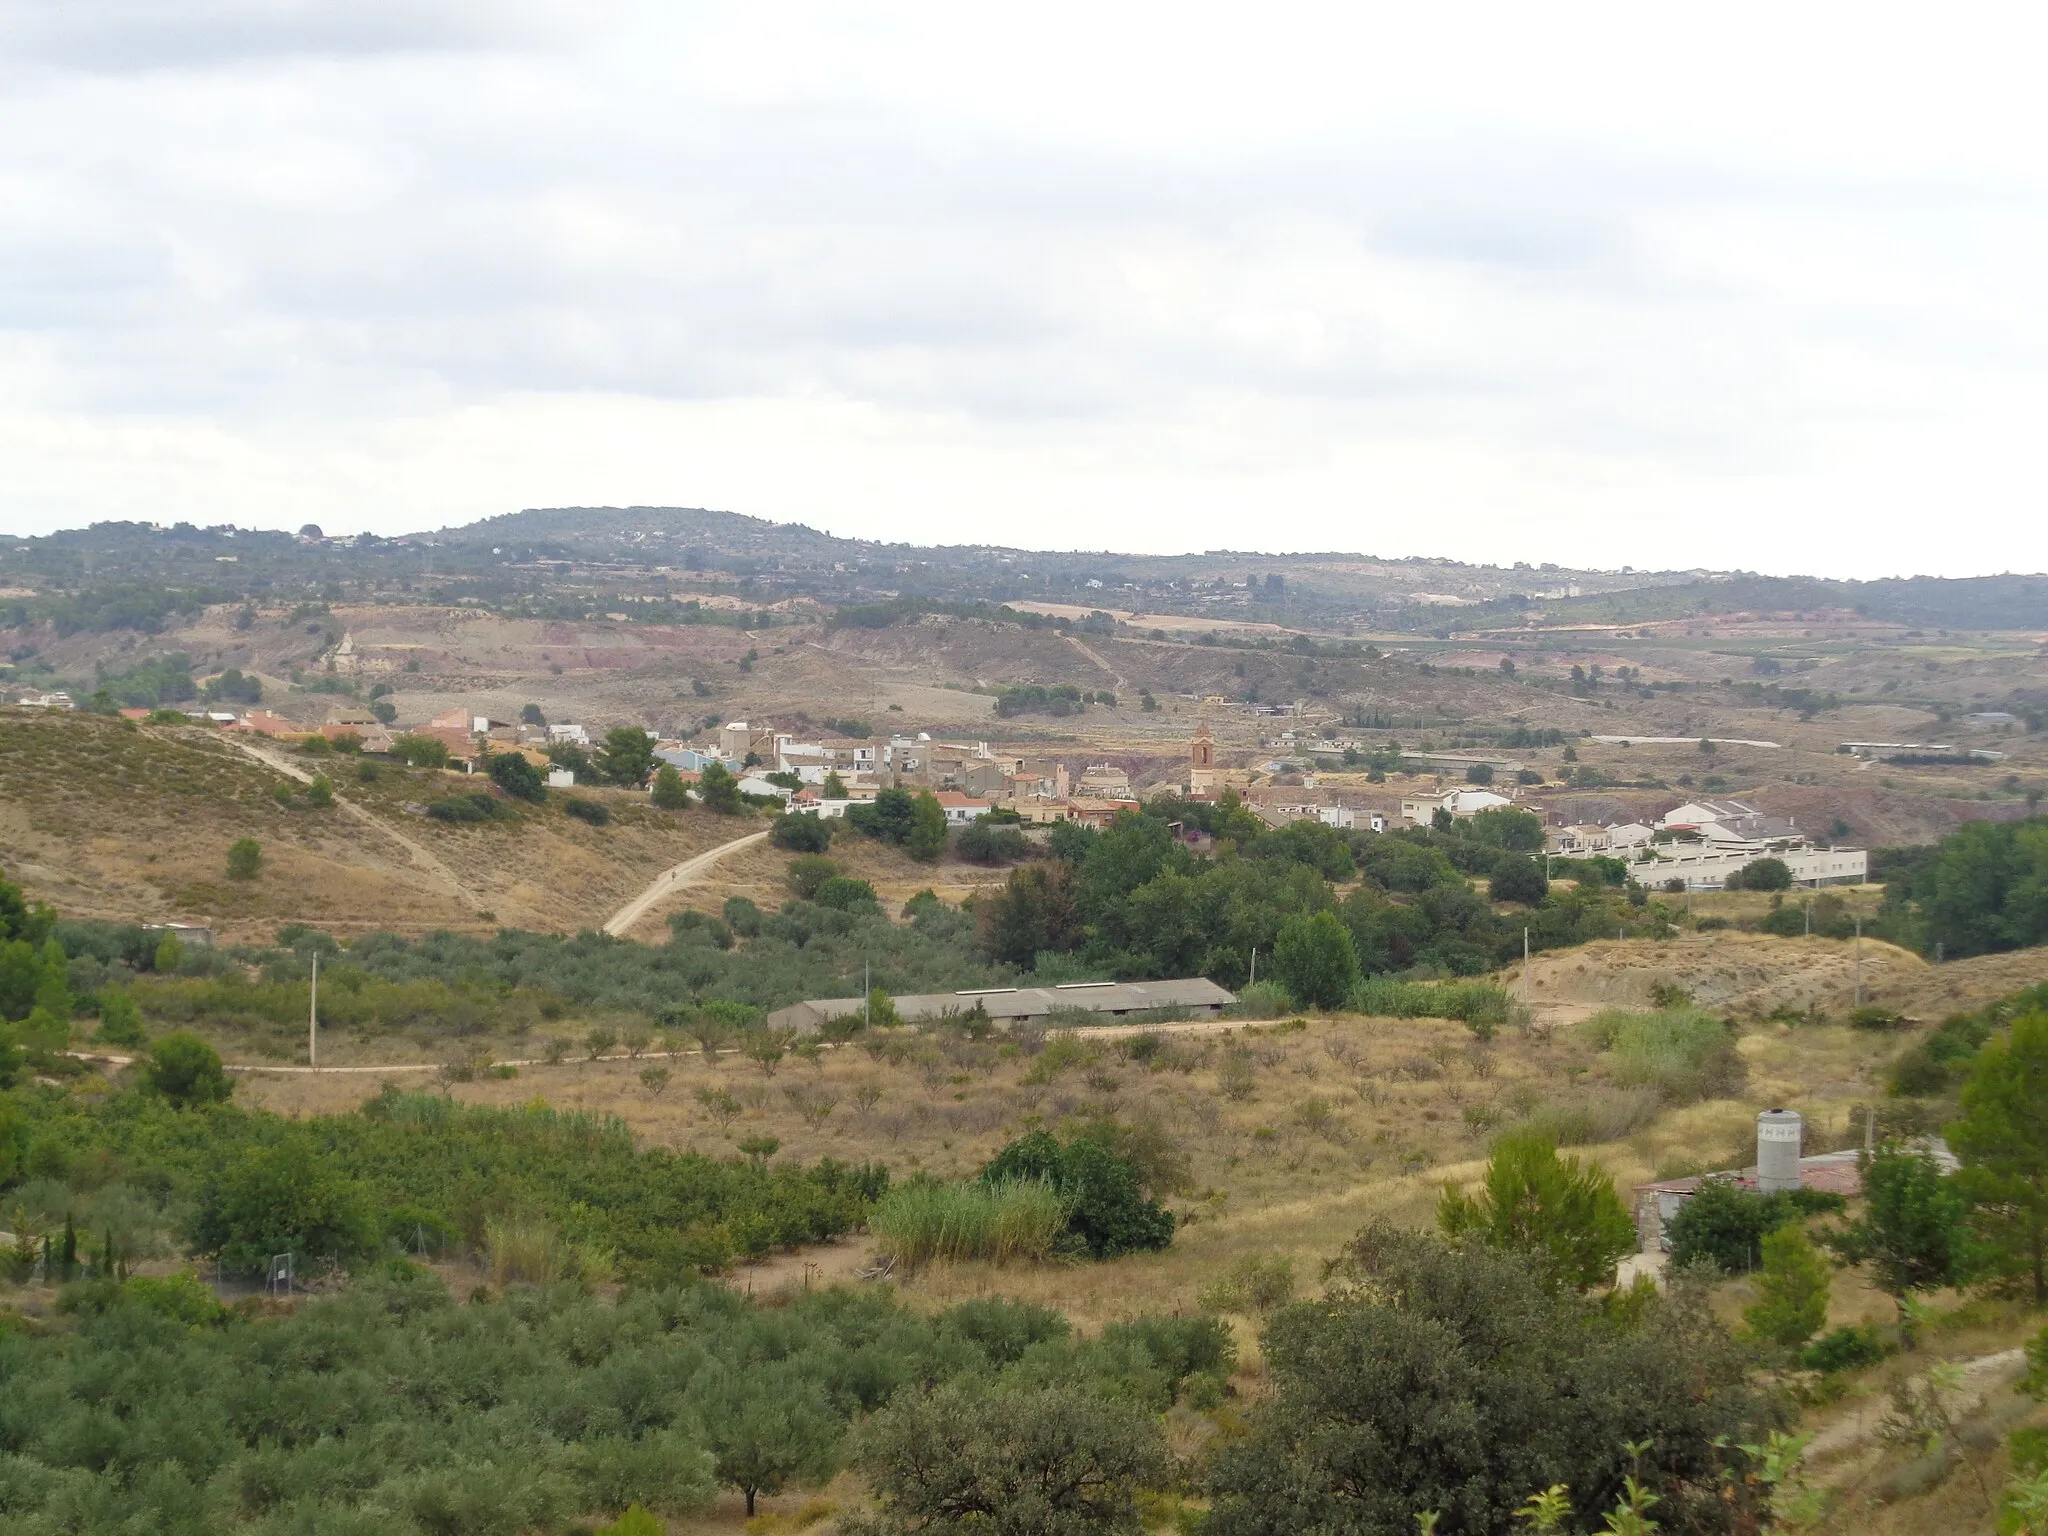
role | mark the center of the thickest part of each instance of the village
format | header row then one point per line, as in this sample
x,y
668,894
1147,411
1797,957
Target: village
x,y
1691,845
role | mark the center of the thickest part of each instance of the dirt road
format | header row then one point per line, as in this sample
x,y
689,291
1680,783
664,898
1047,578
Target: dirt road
x,y
671,880
428,865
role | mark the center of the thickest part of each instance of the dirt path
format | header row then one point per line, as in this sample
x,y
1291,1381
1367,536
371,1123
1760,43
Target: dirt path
x,y
428,865
1123,684
671,880
1855,1430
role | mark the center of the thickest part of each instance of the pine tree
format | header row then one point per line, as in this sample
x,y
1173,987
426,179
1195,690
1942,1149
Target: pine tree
x,y
1792,1290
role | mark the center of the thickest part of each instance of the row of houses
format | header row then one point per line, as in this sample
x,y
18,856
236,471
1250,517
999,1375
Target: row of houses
x,y
1703,842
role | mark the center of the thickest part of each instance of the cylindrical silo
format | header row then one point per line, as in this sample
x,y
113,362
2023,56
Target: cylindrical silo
x,y
1777,1150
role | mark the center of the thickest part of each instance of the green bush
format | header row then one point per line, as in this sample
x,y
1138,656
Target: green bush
x,y
245,859
1107,1211
1683,1054
512,773
186,1071
844,893
1845,1349
476,805
596,812
801,833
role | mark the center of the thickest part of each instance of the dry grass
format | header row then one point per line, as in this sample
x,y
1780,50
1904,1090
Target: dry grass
x,y
126,824
1346,1119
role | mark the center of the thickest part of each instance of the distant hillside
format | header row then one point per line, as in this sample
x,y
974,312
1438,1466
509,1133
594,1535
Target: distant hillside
x,y
1970,603
104,819
569,563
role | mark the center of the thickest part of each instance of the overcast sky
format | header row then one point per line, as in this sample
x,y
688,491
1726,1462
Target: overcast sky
x,y
1752,287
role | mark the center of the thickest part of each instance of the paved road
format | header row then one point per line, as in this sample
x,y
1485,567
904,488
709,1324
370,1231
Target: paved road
x,y
671,880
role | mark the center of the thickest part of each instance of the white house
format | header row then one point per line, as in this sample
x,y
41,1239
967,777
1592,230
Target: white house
x,y
1420,810
568,731
960,809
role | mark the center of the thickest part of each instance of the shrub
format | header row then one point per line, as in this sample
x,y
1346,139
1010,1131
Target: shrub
x,y
985,842
320,793
844,893
1564,1219
1725,1225
801,833
420,751
245,859
669,793
1517,877
1684,1055
281,1199
1258,1282
1762,875
1845,1349
808,871
1107,1212
1261,1000
477,805
120,1019
1586,1122
595,812
186,1070
512,773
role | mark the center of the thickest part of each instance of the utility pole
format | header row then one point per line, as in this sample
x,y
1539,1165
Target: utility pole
x,y
313,1017
867,996
1255,967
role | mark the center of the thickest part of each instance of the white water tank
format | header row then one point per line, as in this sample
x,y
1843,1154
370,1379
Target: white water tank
x,y
1777,1150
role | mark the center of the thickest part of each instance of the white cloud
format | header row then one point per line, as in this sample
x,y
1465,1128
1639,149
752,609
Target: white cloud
x,y
1593,284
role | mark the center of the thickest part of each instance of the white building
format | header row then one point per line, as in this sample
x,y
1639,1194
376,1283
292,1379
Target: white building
x,y
1420,810
1705,868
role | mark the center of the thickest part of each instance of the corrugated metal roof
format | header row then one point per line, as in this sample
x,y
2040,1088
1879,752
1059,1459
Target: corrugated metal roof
x,y
1010,1003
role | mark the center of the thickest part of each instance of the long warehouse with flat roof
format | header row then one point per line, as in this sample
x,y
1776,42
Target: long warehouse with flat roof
x,y
1195,995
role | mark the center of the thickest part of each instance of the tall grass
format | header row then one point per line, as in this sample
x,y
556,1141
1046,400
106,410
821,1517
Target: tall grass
x,y
1682,1054
1587,1122
530,1251
923,1222
1475,1002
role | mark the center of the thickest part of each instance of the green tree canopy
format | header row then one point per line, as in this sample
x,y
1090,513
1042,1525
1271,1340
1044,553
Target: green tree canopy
x,y
626,757
720,791
968,1460
1565,1219
1792,1289
802,834
1315,961
669,793
767,1426
926,841
281,1199
2002,1141
1451,1377
1763,875
1518,877
512,773
186,1071
1913,1230
245,859
1107,1211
